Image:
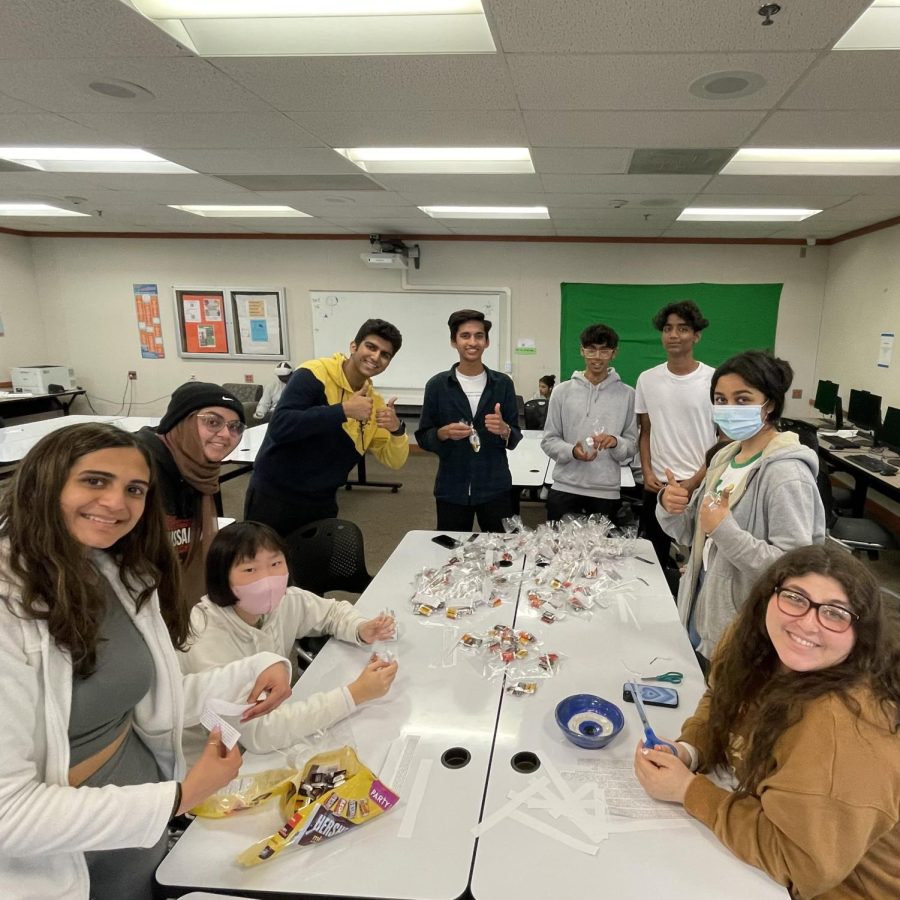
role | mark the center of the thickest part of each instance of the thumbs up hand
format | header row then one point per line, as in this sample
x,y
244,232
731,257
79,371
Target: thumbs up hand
x,y
359,404
387,417
494,423
674,497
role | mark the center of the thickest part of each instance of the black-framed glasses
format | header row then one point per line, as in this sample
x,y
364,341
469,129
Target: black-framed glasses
x,y
214,424
830,616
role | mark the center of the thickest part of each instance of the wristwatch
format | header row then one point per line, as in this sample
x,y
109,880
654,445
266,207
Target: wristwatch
x,y
400,431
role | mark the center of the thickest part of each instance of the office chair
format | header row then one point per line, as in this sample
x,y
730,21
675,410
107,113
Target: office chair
x,y
248,395
841,497
857,535
520,411
535,414
326,555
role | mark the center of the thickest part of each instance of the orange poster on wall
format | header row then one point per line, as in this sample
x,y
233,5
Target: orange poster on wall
x,y
146,301
203,322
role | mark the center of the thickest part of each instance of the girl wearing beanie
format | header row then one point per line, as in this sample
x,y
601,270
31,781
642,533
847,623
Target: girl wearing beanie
x,y
202,425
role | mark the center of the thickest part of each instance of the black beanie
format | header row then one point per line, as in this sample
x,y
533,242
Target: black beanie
x,y
196,395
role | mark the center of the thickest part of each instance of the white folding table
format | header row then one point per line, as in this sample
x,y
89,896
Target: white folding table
x,y
17,440
512,860
433,706
441,701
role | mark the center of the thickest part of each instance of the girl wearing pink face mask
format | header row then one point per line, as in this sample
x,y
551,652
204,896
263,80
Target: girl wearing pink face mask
x,y
249,607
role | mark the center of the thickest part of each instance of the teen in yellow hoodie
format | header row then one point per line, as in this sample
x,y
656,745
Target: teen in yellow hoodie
x,y
328,417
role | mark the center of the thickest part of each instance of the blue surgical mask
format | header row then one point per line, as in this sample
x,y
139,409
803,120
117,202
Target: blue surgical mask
x,y
739,422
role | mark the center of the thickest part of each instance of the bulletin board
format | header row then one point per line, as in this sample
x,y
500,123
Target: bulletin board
x,y
231,323
741,317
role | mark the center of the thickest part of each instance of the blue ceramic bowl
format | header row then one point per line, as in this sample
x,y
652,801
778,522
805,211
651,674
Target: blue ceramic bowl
x,y
589,721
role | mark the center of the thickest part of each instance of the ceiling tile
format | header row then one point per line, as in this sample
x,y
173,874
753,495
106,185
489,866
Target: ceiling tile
x,y
449,184
828,128
582,160
850,80
611,26
645,81
186,85
416,127
658,185
87,29
30,129
277,161
476,81
198,130
580,128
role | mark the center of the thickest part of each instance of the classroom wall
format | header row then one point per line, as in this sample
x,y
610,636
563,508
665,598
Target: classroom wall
x,y
85,289
23,342
862,300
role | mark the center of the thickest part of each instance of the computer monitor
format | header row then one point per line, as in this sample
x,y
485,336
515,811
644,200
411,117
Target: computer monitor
x,y
826,394
864,411
890,430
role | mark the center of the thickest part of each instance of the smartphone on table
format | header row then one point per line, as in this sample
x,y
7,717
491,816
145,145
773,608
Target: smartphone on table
x,y
652,695
444,540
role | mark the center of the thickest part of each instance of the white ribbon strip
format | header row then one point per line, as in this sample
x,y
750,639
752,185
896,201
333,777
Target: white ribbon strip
x,y
414,799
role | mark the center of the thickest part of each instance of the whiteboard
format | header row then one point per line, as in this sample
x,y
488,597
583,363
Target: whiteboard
x,y
421,319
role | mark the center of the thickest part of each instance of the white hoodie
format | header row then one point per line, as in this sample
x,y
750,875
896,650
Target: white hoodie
x,y
222,636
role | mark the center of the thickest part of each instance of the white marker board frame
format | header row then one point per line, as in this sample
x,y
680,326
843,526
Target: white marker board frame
x,y
421,319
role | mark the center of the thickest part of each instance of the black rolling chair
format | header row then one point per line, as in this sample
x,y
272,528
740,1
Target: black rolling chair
x,y
535,414
326,555
857,535
520,411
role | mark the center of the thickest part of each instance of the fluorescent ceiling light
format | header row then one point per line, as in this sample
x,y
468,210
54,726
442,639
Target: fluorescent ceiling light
x,y
486,212
260,9
321,27
36,209
92,159
744,214
878,28
222,211
440,160
814,161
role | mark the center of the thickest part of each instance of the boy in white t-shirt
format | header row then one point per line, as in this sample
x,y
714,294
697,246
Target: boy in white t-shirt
x,y
674,413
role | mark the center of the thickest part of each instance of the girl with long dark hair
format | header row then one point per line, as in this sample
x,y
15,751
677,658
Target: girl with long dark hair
x,y
804,709
91,696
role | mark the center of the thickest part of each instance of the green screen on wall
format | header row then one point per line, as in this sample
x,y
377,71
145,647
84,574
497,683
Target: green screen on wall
x,y
741,317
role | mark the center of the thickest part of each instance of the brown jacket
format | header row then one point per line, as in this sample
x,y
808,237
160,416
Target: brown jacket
x,y
826,821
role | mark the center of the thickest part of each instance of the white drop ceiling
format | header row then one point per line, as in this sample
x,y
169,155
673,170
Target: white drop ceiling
x,y
581,83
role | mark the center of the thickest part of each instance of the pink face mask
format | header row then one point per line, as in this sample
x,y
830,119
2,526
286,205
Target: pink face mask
x,y
261,597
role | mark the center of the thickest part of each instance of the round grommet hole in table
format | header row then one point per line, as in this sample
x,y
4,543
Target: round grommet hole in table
x,y
525,761
455,757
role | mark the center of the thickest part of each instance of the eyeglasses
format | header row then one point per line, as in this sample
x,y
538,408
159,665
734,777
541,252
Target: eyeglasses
x,y
830,616
598,352
214,424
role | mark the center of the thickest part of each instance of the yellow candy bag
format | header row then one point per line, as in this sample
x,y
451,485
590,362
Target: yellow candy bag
x,y
334,793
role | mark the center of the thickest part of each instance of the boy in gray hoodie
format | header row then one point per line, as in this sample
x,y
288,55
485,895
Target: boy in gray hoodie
x,y
591,431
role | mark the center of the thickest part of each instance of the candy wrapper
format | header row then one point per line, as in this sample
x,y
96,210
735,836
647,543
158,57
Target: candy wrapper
x,y
334,793
246,792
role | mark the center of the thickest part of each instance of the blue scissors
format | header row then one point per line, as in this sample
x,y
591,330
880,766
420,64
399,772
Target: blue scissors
x,y
669,677
650,738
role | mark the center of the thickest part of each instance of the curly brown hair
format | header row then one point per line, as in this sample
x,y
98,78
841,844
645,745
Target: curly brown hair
x,y
747,672
57,581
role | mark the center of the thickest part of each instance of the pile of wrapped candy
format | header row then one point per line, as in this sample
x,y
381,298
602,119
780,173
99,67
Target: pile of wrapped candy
x,y
514,653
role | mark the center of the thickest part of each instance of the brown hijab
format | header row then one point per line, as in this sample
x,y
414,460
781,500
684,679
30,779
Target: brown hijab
x,y
183,442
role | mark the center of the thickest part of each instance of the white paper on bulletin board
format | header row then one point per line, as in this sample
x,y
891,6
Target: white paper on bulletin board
x,y
885,349
258,323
